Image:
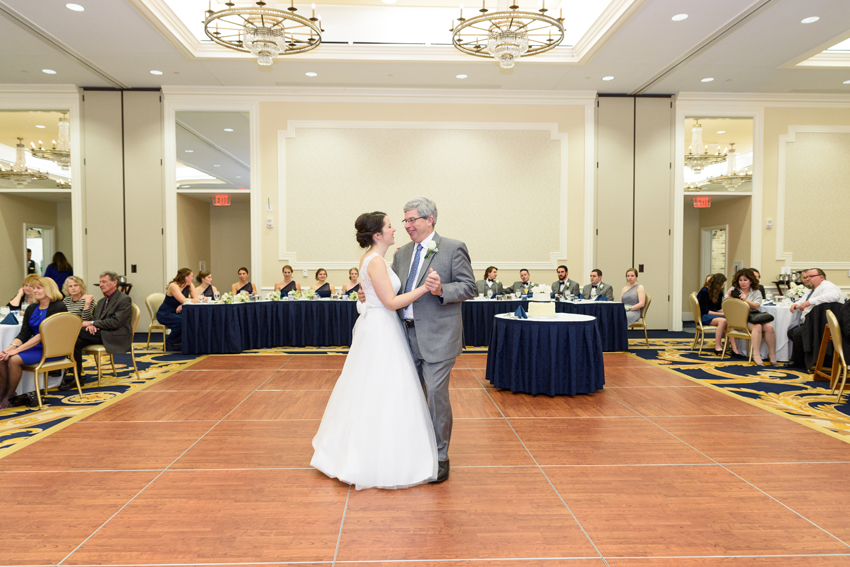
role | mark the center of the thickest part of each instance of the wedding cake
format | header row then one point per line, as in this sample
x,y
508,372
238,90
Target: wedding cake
x,y
541,305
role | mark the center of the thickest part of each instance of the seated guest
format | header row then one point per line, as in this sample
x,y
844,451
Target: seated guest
x,y
710,300
633,296
26,347
205,288
564,286
59,270
111,327
32,265
597,287
322,287
823,291
490,283
287,284
242,285
180,291
745,287
76,299
761,287
24,295
353,283
523,285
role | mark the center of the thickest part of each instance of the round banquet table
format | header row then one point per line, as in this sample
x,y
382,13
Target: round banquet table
x,y
215,328
783,320
478,320
27,384
559,355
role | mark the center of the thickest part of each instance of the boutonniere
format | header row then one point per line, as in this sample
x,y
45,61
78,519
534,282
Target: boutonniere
x,y
600,286
433,248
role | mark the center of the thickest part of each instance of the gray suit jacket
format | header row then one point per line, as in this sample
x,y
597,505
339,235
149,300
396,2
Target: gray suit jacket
x,y
607,291
519,286
497,288
571,287
115,322
439,330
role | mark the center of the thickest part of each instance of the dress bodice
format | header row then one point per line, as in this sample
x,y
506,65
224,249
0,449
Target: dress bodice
x,y
247,288
631,296
208,292
366,282
288,287
324,290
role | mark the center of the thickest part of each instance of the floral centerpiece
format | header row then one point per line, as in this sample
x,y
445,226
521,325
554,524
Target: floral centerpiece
x,y
273,296
294,295
795,291
353,295
309,294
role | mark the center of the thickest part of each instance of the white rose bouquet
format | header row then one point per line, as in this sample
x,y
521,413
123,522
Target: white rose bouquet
x,y
353,295
795,291
295,294
273,296
309,294
226,298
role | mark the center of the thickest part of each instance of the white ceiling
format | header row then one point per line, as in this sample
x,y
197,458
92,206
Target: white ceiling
x,y
742,44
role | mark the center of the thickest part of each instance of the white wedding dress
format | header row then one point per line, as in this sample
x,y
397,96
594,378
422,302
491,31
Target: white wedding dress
x,y
376,431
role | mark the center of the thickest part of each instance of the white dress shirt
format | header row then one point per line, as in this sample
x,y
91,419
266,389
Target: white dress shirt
x,y
408,311
826,292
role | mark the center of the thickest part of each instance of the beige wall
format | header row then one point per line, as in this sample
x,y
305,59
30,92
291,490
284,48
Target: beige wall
x,y
691,260
474,212
193,233
14,212
776,123
64,238
229,244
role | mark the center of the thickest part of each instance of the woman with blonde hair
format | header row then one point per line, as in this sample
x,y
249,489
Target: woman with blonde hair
x,y
353,283
180,290
287,284
26,347
24,294
76,299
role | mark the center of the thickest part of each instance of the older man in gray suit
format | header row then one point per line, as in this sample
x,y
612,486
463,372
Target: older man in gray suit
x,y
433,322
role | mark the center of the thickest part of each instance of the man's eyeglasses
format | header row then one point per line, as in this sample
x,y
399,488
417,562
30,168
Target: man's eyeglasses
x,y
412,220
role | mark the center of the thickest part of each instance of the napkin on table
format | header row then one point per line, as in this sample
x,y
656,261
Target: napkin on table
x,y
520,313
601,298
9,320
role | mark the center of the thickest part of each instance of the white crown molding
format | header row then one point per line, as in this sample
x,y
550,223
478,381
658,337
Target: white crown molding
x,y
736,100
42,91
291,257
366,95
835,59
781,254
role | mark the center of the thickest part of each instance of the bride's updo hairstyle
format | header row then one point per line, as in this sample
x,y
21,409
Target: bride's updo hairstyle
x,y
368,225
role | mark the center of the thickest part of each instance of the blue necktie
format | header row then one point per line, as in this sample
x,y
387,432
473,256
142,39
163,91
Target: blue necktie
x,y
412,275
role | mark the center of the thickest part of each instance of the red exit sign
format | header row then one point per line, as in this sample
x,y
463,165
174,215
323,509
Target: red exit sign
x,y
221,201
702,202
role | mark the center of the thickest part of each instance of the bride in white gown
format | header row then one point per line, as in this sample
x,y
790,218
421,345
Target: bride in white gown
x,y
376,431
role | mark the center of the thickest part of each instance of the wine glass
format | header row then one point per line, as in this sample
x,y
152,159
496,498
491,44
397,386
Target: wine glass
x,y
489,294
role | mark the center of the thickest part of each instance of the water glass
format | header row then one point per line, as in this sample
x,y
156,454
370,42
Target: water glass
x,y
216,295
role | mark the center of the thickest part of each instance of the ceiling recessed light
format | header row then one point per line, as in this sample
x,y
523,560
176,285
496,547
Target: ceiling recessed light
x,y
75,7
48,71
189,151
608,78
155,72
708,79
238,177
228,129
312,74
40,126
809,20
721,131
216,165
461,76
679,17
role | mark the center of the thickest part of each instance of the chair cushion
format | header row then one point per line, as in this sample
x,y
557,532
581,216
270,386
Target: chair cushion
x,y
48,366
91,349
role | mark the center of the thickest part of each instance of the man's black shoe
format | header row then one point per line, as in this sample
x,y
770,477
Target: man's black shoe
x,y
442,472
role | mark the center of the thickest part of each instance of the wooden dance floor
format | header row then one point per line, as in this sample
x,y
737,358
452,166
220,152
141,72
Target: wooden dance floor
x,y
211,466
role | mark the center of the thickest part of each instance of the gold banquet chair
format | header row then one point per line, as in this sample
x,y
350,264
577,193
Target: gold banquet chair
x,y
641,323
99,351
835,330
59,334
737,313
699,334
152,302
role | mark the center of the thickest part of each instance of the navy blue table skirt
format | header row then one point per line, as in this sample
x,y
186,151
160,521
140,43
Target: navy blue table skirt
x,y
478,319
229,329
546,357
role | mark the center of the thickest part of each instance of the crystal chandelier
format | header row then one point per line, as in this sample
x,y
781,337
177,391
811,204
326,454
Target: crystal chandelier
x,y
61,152
508,33
732,180
263,32
19,174
698,157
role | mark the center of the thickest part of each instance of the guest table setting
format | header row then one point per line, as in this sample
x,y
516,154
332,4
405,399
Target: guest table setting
x,y
8,332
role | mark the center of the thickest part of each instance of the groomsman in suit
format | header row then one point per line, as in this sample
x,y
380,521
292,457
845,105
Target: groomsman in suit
x,y
597,284
524,285
112,326
490,282
564,285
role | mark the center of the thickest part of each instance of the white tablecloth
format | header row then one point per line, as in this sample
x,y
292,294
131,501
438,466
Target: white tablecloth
x,y
783,320
7,335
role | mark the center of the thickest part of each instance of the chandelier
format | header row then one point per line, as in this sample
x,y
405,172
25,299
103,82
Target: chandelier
x,y
508,33
263,32
19,174
698,157
61,153
732,180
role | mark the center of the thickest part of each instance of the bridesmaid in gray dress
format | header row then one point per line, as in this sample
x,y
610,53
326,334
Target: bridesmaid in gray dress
x,y
633,297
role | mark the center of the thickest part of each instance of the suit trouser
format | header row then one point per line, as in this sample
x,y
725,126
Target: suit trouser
x,y
434,377
85,339
798,354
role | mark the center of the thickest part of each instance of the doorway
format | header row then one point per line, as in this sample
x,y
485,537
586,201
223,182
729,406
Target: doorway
x,y
40,242
713,250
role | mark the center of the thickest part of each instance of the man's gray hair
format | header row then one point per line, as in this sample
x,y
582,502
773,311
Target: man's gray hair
x,y
111,275
424,208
